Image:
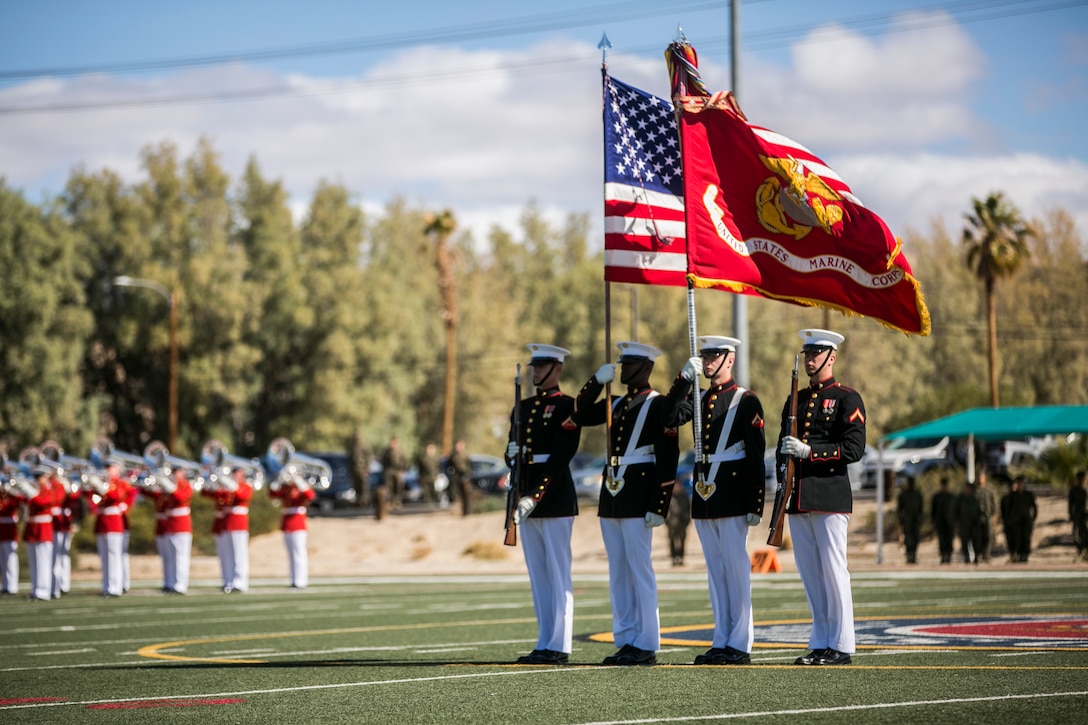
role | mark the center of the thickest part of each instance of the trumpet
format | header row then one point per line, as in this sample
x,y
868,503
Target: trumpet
x,y
66,466
217,458
158,457
284,463
103,450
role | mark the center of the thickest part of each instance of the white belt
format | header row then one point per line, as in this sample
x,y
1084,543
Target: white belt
x,y
9,519
734,452
238,510
294,510
111,511
180,511
631,460
539,458
41,519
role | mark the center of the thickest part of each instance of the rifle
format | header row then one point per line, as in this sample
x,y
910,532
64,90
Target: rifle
x,y
512,493
774,537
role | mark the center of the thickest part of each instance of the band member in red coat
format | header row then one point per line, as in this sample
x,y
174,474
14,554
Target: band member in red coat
x,y
172,494
64,512
232,494
39,497
9,540
295,494
110,498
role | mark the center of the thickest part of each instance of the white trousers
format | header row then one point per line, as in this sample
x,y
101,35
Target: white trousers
x,y
226,559
176,552
819,550
160,546
62,563
297,562
39,557
631,583
546,544
126,578
238,545
111,554
729,578
9,566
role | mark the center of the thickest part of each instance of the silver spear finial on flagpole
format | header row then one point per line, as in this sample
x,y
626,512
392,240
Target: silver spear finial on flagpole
x,y
604,45
680,37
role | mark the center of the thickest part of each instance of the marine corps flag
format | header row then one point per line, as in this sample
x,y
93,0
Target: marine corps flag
x,y
765,215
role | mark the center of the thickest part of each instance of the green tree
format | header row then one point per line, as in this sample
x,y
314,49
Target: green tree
x,y
44,324
996,247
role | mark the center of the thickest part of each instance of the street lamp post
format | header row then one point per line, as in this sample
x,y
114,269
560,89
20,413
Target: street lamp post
x,y
126,281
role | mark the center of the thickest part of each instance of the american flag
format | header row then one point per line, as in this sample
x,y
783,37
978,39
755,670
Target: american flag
x,y
644,232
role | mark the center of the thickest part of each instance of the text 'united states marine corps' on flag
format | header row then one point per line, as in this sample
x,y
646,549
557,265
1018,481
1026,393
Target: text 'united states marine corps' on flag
x,y
765,215
644,240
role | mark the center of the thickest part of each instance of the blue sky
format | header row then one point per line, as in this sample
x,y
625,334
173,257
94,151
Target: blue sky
x,y
484,106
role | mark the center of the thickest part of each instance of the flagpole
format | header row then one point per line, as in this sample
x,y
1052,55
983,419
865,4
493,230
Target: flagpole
x,y
740,301
682,70
604,45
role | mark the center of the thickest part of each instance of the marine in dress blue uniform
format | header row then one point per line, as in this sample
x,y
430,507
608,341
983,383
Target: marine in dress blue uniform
x,y
831,435
638,481
729,489
547,503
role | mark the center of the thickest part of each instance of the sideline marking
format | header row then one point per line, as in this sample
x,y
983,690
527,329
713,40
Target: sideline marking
x,y
982,632
155,651
842,708
301,688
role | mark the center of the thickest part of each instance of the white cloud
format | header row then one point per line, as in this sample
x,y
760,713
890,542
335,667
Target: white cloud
x,y
485,143
916,189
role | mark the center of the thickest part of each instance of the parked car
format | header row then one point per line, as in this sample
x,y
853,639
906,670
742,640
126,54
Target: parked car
x,y
587,470
340,492
1001,456
490,474
898,454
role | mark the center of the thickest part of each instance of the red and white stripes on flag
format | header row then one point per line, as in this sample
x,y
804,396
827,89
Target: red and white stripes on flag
x,y
645,239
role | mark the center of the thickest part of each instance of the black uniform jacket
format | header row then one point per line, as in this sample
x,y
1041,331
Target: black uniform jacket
x,y
830,419
548,431
646,487
738,485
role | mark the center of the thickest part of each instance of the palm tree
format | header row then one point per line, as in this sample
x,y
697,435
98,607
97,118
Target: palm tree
x,y
996,239
441,226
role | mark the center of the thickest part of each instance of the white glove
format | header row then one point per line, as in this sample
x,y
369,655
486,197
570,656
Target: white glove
x,y
791,446
606,374
525,507
693,368
653,520
752,519
511,451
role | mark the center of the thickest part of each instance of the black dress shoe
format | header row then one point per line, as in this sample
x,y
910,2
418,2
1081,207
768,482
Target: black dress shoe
x,y
707,658
833,657
636,657
614,658
810,658
549,657
528,659
732,656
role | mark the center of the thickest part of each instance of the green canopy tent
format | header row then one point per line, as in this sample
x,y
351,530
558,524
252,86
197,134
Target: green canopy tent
x,y
1002,423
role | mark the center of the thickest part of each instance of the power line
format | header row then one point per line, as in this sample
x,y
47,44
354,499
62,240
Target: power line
x,y
971,11
534,24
